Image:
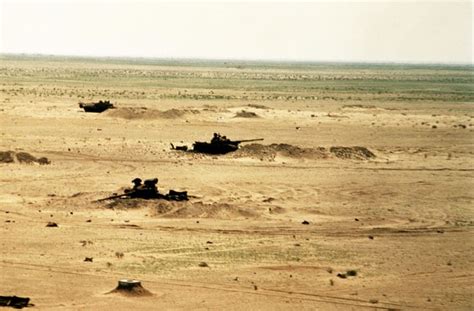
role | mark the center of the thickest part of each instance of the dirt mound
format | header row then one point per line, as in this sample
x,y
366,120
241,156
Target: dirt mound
x,y
246,114
131,113
132,288
7,156
269,152
21,157
180,209
201,210
172,113
144,113
130,203
258,106
357,153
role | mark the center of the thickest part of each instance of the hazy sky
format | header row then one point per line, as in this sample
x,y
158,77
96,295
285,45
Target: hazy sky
x,y
391,31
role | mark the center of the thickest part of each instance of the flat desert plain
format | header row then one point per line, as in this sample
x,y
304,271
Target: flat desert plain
x,y
287,223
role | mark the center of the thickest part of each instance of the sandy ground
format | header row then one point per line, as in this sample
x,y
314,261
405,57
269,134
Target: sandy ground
x,y
402,220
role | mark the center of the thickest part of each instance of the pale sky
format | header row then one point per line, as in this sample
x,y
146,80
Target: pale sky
x,y
367,31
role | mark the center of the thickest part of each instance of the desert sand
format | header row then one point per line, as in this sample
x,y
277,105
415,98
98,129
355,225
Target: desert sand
x,y
401,219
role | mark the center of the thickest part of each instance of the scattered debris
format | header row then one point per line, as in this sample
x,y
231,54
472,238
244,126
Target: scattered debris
x,y
179,148
98,107
348,273
15,302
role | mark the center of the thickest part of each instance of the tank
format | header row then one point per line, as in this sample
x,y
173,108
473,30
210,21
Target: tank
x,y
98,107
148,190
15,302
214,148
219,145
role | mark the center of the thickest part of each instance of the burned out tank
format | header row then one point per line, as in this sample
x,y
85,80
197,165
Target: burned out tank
x,y
148,190
98,107
219,145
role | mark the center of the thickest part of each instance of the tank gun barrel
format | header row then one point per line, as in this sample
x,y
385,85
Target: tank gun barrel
x,y
245,140
123,195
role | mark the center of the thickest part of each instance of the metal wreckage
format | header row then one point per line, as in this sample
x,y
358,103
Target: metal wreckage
x,y
15,302
148,190
219,145
97,107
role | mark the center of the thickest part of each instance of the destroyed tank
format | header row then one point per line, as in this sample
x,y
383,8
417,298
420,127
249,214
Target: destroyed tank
x,y
220,145
98,107
148,190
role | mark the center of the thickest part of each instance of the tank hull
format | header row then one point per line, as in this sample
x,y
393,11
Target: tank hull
x,y
96,107
210,148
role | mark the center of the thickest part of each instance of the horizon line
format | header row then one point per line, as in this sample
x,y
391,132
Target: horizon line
x,y
243,60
